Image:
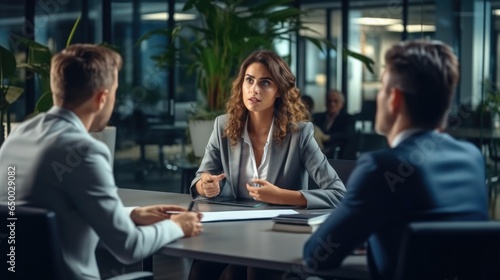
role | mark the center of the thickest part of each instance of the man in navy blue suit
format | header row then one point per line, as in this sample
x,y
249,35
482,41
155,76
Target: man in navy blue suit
x,y
425,175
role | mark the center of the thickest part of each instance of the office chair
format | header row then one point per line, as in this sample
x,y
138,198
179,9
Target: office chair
x,y
450,250
343,167
368,142
493,179
37,249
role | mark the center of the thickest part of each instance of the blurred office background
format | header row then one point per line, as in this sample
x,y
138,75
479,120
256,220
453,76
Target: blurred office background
x,y
148,95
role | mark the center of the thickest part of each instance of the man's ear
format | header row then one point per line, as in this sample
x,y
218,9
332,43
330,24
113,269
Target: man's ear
x,y
396,100
100,99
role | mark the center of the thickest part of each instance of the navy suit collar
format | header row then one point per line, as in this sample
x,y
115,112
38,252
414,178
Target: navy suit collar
x,y
433,134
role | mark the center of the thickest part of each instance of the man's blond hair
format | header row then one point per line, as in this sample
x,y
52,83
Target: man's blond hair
x,y
80,70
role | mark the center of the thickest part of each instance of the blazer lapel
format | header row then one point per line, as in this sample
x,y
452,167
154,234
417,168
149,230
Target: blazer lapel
x,y
277,158
234,162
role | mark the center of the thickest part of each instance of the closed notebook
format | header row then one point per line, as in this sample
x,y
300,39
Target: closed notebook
x,y
295,228
302,218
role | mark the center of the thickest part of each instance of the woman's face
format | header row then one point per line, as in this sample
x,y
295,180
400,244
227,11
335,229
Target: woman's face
x,y
259,89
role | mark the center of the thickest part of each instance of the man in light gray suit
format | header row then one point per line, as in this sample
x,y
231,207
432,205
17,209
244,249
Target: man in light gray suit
x,y
60,167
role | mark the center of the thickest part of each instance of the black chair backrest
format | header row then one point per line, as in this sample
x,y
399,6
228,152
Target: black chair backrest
x,y
450,250
29,244
370,141
343,167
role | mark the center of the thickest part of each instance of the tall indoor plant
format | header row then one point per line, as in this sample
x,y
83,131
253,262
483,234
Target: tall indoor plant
x,y
8,93
230,30
492,102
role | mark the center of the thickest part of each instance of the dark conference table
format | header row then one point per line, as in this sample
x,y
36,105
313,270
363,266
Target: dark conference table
x,y
249,242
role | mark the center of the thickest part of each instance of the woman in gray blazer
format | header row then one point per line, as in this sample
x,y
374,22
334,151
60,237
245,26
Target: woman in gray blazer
x,y
264,147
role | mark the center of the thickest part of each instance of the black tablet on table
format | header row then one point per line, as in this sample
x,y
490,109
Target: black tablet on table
x,y
242,202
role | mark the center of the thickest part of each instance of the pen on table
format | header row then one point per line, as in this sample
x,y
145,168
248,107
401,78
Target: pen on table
x,y
190,208
191,205
174,212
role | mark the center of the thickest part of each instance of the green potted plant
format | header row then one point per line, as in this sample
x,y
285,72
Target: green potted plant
x,y
8,93
38,61
492,103
230,30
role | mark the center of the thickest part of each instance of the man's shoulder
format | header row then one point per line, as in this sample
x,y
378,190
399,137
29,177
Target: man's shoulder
x,y
419,148
57,136
430,141
81,141
382,161
377,158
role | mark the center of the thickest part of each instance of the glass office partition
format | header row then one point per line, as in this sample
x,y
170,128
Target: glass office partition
x,y
314,71
422,20
53,23
186,89
142,83
336,55
495,33
372,30
11,28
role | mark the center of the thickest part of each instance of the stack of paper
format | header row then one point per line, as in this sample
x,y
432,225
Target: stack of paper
x,y
244,215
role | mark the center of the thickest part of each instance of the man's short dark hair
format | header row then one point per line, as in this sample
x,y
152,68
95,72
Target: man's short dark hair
x,y
427,73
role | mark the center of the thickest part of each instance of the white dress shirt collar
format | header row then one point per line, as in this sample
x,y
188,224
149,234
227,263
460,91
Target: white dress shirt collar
x,y
403,135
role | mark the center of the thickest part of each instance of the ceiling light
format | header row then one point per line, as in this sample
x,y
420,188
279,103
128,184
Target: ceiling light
x,y
164,16
496,12
411,28
376,21
320,79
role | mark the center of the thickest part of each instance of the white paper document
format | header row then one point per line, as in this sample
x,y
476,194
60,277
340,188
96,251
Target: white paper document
x,y
243,215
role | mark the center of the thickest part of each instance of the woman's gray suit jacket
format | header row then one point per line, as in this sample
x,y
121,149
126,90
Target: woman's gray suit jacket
x,y
291,163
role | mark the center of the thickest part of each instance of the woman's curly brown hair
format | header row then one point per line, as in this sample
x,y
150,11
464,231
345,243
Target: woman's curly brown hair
x,y
288,108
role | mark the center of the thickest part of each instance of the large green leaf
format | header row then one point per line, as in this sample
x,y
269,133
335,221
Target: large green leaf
x,y
38,53
73,30
315,41
284,15
44,102
13,94
368,62
7,63
38,61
